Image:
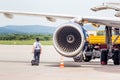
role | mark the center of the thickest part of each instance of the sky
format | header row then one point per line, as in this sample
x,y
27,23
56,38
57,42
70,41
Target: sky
x,y
72,7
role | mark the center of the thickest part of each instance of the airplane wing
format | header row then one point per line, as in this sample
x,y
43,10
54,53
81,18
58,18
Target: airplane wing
x,y
105,6
112,22
51,17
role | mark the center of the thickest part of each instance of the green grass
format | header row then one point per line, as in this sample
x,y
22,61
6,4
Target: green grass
x,y
23,42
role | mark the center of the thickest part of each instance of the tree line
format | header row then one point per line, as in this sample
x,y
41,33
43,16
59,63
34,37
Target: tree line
x,y
25,36
13,36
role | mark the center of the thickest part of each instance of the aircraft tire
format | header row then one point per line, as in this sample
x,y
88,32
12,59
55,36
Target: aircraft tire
x,y
116,57
104,57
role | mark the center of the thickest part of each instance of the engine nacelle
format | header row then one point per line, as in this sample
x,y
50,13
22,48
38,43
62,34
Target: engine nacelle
x,y
69,39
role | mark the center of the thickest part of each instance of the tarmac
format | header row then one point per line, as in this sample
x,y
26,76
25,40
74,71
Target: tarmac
x,y
15,65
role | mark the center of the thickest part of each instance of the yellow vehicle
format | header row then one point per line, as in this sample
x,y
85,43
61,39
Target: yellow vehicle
x,y
100,40
95,44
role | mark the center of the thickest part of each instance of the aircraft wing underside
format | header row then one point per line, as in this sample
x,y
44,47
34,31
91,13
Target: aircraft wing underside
x,y
112,22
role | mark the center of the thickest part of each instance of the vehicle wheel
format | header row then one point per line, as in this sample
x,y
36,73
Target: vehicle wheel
x,y
104,57
78,58
88,58
116,57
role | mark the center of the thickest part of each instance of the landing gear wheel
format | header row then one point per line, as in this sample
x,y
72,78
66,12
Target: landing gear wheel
x,y
88,58
116,57
104,57
78,58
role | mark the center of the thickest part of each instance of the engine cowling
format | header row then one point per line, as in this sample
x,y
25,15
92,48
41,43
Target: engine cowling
x,y
69,39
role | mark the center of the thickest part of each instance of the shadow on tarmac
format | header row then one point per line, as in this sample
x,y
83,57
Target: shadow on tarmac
x,y
110,68
18,61
66,64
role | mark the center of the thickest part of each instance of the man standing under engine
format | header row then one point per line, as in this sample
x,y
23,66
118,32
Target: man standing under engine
x,y
37,51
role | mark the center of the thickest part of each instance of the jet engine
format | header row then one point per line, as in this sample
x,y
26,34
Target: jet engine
x,y
69,39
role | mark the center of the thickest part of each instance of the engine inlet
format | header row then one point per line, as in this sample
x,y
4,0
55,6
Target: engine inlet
x,y
68,40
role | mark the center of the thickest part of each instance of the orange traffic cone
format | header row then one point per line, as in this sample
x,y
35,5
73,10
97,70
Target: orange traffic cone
x,y
61,62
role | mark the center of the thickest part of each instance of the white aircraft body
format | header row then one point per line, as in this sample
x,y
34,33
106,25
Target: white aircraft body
x,y
70,38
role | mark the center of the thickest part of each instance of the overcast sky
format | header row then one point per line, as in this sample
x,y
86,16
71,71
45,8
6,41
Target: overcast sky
x,y
72,7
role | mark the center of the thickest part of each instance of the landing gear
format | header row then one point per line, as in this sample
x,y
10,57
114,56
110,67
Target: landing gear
x,y
116,57
81,58
78,58
104,57
87,58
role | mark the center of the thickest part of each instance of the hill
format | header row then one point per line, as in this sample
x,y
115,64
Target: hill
x,y
32,29
35,29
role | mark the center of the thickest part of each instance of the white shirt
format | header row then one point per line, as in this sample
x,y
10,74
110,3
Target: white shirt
x,y
37,45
